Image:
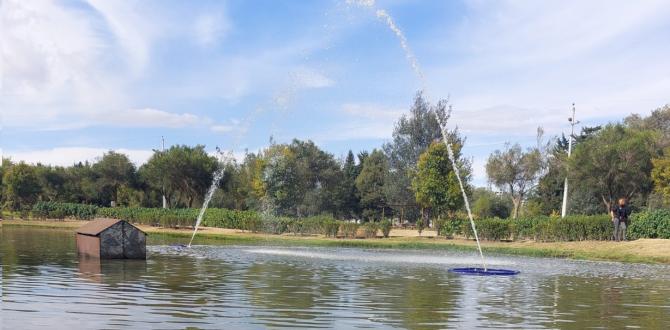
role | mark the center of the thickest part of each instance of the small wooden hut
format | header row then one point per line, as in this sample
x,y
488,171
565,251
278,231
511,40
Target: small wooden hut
x,y
111,239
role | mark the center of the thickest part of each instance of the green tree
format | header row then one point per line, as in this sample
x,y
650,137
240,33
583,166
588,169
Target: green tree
x,y
113,170
515,171
411,137
488,204
370,182
53,181
20,184
615,163
660,174
434,181
181,173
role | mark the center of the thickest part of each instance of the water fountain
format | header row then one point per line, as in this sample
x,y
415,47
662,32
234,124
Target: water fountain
x,y
410,57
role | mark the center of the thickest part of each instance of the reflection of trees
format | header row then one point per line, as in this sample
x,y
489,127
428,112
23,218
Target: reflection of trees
x,y
32,247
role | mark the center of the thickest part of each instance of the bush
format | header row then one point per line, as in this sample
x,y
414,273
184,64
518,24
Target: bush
x,y
654,224
385,226
331,227
77,211
349,229
419,226
57,214
41,215
371,229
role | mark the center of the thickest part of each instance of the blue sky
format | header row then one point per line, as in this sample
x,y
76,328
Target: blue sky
x,y
83,77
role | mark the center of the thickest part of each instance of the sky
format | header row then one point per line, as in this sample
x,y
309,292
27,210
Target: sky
x,y
82,77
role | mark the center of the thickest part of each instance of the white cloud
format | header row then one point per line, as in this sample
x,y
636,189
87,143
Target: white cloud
x,y
150,118
70,156
363,121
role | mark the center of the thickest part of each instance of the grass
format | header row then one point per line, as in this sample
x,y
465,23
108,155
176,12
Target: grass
x,y
651,251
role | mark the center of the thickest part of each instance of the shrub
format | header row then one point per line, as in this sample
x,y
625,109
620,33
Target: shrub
x,y
371,229
331,227
654,224
419,226
42,215
349,229
57,214
385,226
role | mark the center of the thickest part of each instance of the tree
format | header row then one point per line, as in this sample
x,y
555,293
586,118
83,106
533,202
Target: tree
x,y
20,184
434,181
370,183
52,181
351,203
615,163
181,173
516,171
488,204
660,174
659,121
411,137
113,170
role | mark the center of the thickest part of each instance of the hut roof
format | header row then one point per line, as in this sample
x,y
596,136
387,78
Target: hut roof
x,y
97,225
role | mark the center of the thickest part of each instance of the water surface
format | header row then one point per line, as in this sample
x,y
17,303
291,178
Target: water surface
x,y
213,286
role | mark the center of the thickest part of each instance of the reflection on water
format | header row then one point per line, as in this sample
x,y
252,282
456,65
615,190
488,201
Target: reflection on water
x,y
45,285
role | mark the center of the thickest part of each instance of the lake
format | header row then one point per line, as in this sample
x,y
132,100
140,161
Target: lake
x,y
223,285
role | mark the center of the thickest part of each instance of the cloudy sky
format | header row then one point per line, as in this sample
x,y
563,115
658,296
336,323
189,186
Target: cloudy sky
x,y
83,77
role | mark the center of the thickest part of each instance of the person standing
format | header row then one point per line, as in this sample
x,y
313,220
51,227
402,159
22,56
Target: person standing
x,y
620,218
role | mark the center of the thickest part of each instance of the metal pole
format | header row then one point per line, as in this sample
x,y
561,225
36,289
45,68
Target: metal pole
x,y
573,122
163,149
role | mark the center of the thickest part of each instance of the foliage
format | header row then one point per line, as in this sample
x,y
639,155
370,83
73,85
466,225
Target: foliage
x,y
370,183
411,137
113,170
57,214
349,229
20,184
660,174
489,205
516,171
435,184
370,229
77,211
615,163
181,173
331,227
419,226
654,224
385,226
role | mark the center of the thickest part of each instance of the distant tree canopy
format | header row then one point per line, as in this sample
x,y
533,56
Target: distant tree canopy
x,y
297,178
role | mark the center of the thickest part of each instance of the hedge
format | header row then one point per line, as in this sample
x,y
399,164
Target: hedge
x,y
654,224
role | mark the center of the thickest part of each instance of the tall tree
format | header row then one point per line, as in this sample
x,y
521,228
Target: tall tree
x,y
516,171
351,203
411,137
113,170
434,180
20,184
52,181
181,173
370,183
615,163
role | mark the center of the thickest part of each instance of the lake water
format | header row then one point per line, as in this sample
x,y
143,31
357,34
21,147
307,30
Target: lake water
x,y
215,285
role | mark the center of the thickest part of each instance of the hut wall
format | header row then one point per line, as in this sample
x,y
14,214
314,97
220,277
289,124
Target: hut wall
x,y
134,242
88,246
111,242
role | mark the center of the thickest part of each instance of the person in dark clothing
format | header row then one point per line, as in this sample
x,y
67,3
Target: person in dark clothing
x,y
620,218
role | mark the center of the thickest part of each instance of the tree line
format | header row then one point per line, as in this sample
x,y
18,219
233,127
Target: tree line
x,y
298,179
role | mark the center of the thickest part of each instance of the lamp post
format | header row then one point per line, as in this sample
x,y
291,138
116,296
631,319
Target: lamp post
x,y
573,122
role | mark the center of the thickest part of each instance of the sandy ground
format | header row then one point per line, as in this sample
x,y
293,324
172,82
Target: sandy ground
x,y
654,250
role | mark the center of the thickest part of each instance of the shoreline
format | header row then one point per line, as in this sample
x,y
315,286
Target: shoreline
x,y
649,251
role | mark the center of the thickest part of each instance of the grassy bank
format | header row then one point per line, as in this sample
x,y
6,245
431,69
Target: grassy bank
x,y
653,251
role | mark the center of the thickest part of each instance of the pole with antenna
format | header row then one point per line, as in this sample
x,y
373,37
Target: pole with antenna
x,y
573,122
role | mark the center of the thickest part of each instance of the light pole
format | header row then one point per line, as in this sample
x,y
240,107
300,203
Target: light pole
x,y
573,122
163,149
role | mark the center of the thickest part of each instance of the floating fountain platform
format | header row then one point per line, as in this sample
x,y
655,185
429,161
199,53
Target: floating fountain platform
x,y
179,245
483,271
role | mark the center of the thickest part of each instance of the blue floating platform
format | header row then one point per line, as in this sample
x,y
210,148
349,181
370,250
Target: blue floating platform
x,y
483,272
179,245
